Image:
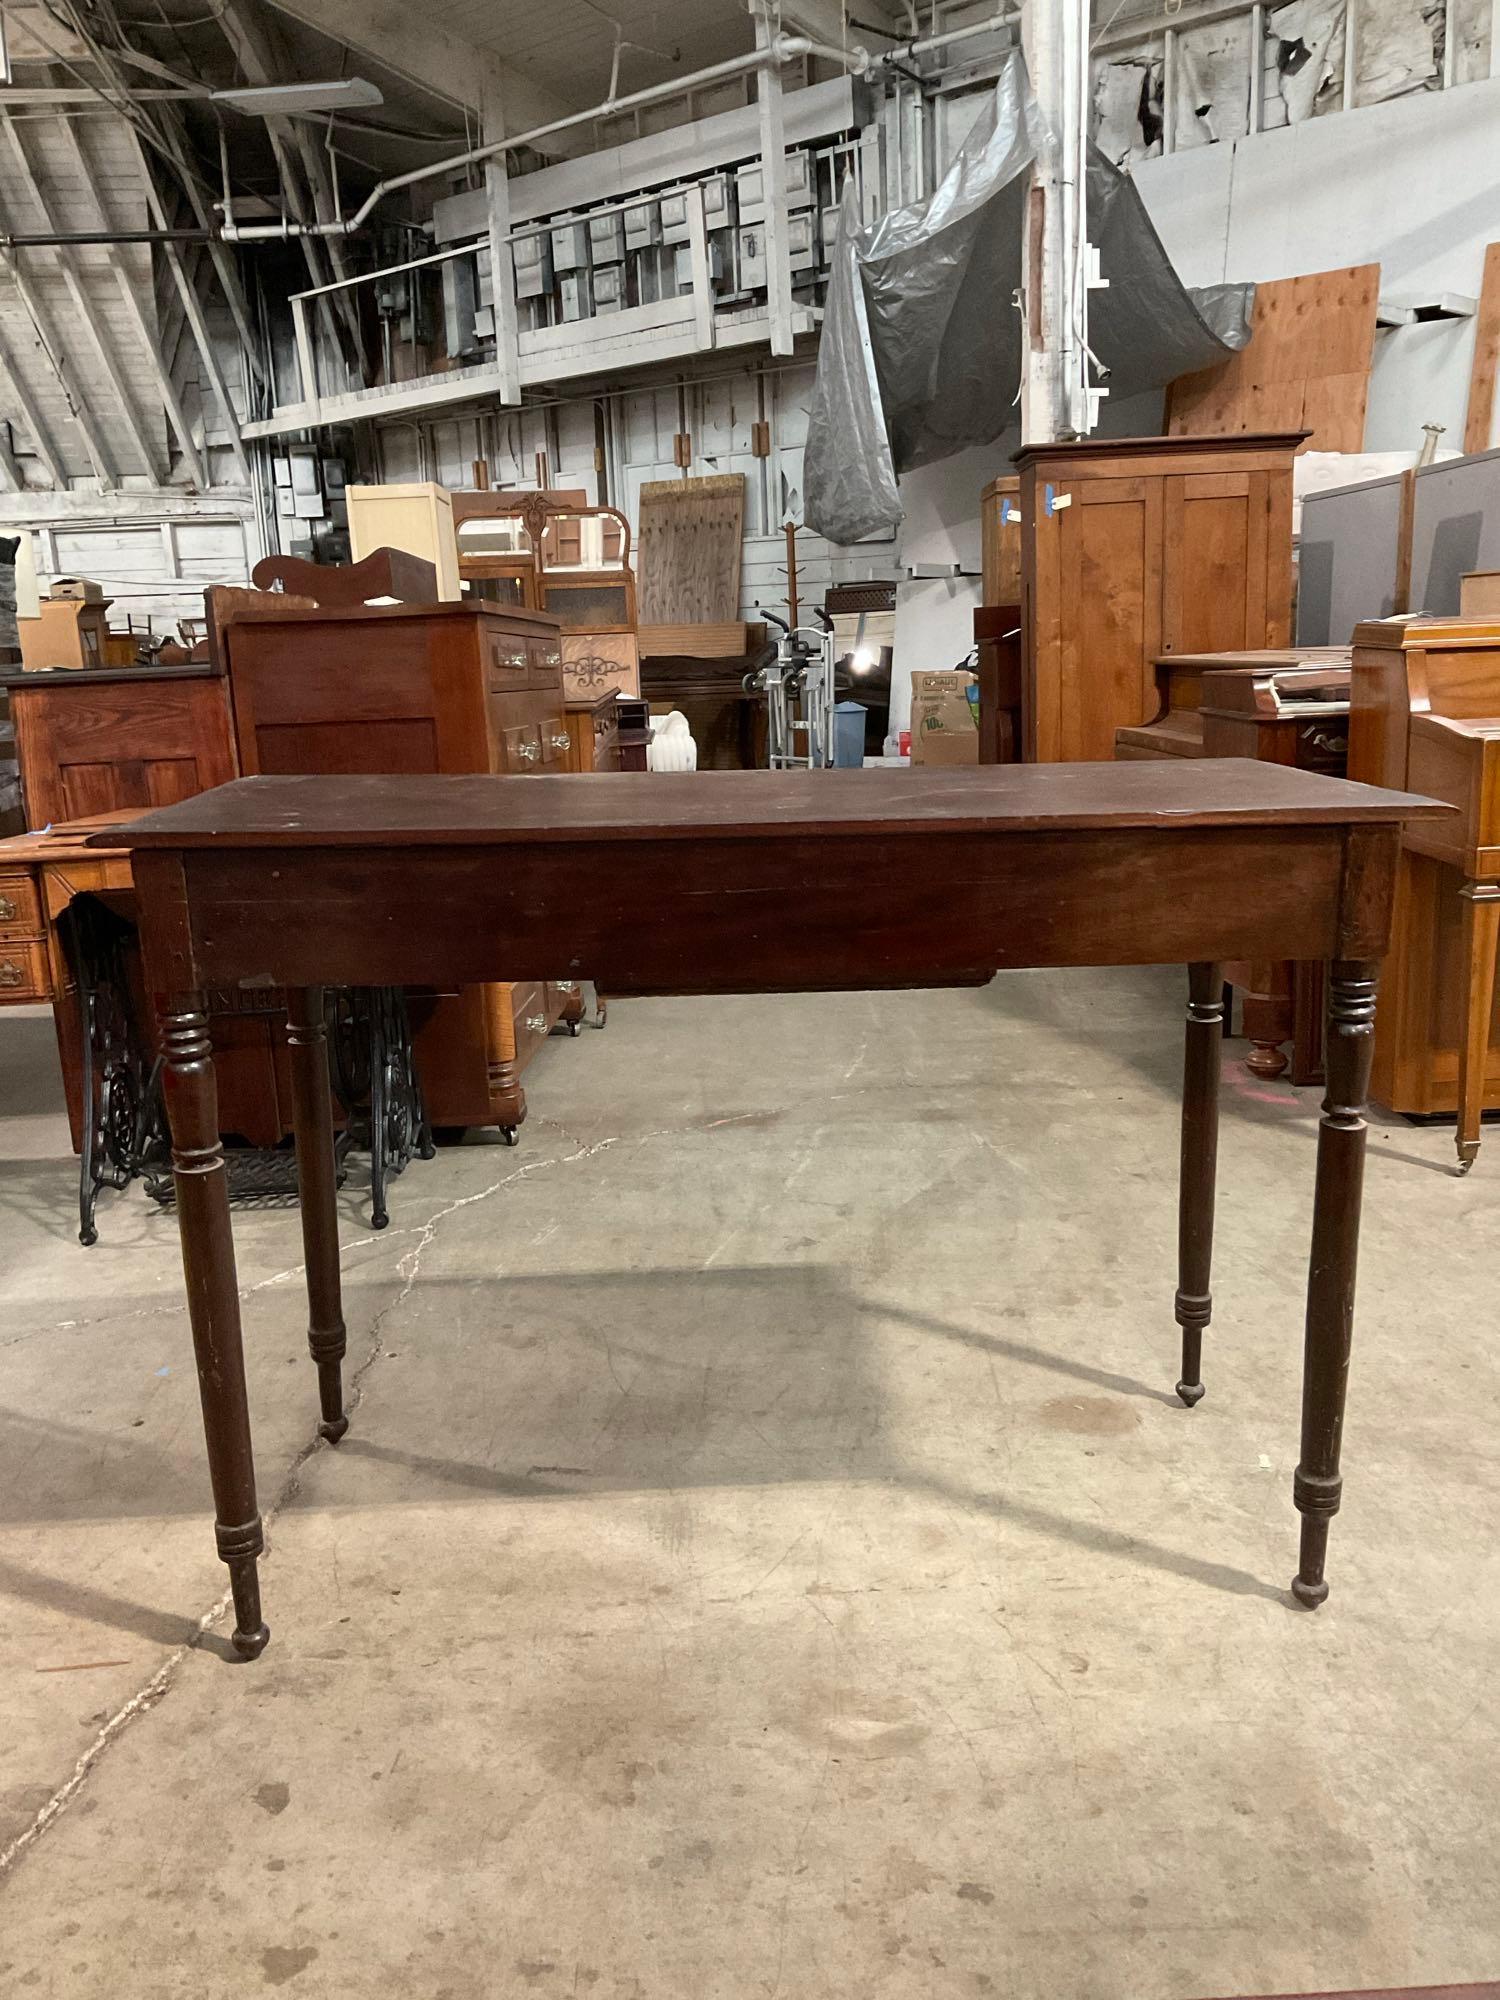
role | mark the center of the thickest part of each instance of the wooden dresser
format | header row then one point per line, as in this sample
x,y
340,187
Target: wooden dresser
x,y
593,733
418,688
1425,704
1132,549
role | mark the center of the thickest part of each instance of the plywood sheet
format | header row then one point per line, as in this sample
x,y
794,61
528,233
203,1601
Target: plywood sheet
x,y
691,539
1307,366
1479,425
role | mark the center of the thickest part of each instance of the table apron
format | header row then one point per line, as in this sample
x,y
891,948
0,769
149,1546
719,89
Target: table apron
x,y
780,913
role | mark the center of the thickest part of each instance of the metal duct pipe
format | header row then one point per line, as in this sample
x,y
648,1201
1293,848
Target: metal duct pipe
x,y
42,239
786,48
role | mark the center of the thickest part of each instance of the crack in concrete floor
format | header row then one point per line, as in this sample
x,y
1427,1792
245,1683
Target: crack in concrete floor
x,y
408,1268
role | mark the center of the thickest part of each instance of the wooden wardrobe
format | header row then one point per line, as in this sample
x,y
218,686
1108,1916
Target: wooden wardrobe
x,y
1135,548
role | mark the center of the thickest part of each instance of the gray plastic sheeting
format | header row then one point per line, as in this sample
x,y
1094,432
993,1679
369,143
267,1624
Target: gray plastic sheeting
x,y
921,348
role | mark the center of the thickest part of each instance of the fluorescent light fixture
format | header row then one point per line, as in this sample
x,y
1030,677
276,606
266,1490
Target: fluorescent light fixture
x,y
291,100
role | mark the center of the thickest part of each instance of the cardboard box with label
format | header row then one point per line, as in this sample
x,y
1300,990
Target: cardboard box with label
x,y
944,718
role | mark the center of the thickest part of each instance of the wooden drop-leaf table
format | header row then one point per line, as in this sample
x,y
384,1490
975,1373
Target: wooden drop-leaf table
x,y
758,882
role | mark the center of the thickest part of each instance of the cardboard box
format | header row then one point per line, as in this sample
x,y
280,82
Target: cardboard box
x,y
77,590
944,718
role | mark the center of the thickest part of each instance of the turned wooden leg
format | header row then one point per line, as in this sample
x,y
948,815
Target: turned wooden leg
x,y
1200,1149
213,1304
317,1192
1266,1010
1481,902
1317,1486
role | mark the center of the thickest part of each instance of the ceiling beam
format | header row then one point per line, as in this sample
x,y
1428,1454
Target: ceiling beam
x,y
402,39
135,312
99,338
41,442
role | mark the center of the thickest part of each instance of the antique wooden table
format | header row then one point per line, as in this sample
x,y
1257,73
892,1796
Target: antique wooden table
x,y
758,882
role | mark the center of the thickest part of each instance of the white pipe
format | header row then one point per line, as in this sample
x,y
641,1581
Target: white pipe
x,y
785,48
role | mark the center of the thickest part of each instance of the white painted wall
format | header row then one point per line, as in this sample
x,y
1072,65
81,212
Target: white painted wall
x,y
1413,185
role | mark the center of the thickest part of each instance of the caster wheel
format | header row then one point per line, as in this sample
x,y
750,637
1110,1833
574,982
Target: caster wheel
x,y
573,1029
510,1135
603,1014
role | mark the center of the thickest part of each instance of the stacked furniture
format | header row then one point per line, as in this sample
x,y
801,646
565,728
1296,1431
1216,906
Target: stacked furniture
x,y
553,552
1279,705
1138,548
428,687
1425,706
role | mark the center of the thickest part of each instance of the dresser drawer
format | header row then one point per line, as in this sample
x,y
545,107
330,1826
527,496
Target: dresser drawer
x,y
532,1020
507,662
556,742
521,749
20,908
545,663
23,970
606,749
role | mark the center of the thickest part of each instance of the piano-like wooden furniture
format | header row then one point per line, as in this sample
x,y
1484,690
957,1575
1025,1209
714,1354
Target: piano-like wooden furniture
x,y
1176,727
1426,700
1296,715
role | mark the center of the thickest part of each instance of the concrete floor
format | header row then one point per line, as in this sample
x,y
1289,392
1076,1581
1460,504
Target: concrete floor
x,y
768,1558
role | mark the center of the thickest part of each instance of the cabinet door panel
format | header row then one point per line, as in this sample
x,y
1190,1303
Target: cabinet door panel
x,y
1109,569
1214,562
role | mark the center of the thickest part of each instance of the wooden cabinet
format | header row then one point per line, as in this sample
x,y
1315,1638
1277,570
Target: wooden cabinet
x,y
101,740
1133,549
1425,716
1000,540
420,687
594,734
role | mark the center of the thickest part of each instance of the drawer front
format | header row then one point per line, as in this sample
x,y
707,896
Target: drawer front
x,y
23,970
545,663
521,749
507,662
531,1018
606,749
556,742
20,909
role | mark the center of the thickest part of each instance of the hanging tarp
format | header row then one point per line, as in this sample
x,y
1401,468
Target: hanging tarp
x,y
921,348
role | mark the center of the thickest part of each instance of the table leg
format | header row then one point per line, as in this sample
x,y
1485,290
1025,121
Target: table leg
x,y
192,1102
1317,1486
1481,902
317,1195
1200,1149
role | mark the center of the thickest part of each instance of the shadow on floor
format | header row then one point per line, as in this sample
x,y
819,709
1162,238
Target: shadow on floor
x,y
620,1381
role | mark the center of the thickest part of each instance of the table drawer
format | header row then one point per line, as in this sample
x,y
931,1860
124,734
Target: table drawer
x,y
20,907
23,970
507,662
545,662
521,749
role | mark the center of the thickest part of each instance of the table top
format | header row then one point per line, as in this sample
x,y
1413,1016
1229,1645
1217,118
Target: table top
x,y
483,810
